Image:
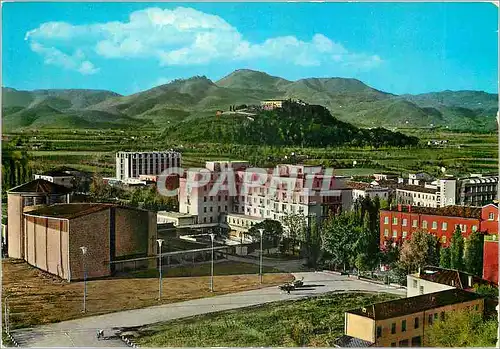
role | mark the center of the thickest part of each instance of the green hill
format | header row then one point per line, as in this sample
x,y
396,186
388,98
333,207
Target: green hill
x,y
294,124
348,100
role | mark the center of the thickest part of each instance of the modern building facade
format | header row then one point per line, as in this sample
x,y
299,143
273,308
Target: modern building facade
x,y
54,235
490,259
135,164
267,199
361,190
402,322
397,224
25,197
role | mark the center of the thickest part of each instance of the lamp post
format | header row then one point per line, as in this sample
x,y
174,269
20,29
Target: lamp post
x,y
261,231
6,314
84,252
212,236
160,242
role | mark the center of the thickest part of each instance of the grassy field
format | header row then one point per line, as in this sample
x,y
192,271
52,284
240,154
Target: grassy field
x,y
38,298
94,151
314,322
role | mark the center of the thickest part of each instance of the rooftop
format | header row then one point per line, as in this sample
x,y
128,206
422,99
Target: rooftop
x,y
451,211
416,188
56,173
412,305
351,342
174,214
451,277
40,186
69,211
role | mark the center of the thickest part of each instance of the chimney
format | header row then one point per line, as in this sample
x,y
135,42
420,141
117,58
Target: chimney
x,y
399,207
470,280
409,208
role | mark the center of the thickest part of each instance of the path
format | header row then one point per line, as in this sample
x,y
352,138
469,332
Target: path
x,y
81,332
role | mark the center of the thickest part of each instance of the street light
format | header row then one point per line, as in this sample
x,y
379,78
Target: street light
x,y
160,242
261,231
84,252
212,236
6,314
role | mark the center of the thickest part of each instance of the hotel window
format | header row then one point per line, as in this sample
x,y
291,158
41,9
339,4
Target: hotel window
x,y
405,222
443,239
205,209
211,209
491,216
393,328
424,224
204,199
476,307
386,232
444,226
415,223
393,344
405,233
434,225
442,316
211,198
386,220
218,198
463,227
379,331
430,319
416,324
415,283
474,228
403,326
404,343
436,315
394,220
394,233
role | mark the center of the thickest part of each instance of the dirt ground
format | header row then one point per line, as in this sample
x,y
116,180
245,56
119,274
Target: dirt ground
x,y
36,297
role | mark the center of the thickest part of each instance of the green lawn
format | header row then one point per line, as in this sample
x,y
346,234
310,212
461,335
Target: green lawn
x,y
312,322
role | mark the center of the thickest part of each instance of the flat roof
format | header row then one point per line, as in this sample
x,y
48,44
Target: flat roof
x,y
40,186
451,277
174,214
450,211
244,216
416,188
412,305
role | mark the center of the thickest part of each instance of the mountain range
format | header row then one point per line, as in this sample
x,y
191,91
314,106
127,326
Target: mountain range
x,y
348,100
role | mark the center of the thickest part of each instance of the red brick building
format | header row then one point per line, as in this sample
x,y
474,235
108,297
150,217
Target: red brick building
x,y
53,236
399,223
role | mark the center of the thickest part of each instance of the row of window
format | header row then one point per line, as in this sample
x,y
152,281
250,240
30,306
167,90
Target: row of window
x,y
417,195
212,198
211,209
444,225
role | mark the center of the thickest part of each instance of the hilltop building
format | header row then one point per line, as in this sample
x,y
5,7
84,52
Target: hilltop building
x,y
402,322
135,164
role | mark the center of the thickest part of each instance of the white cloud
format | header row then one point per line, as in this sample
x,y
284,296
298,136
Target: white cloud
x,y
181,36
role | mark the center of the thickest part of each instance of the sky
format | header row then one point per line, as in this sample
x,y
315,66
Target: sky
x,y
129,47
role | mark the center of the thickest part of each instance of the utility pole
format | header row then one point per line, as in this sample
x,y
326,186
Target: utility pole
x,y
84,252
160,242
261,231
212,236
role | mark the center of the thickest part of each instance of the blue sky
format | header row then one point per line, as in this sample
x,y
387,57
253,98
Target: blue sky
x,y
129,47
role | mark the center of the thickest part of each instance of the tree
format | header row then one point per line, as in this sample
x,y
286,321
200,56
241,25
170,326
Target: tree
x,y
457,250
314,248
445,257
418,251
272,234
474,254
390,253
486,290
339,236
462,329
295,225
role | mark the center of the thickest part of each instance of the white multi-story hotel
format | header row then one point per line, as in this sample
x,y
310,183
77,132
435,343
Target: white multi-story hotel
x,y
298,191
135,164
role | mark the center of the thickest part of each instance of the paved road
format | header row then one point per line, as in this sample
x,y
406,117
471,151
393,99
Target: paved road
x,y
82,332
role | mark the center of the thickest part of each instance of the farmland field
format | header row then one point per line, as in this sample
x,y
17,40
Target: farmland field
x,y
94,151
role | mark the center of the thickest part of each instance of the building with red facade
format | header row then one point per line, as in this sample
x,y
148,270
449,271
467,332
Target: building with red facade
x,y
397,224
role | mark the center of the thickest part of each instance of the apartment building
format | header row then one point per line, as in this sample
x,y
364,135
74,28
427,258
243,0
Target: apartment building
x,y
361,190
475,190
398,223
266,200
135,164
402,322
432,279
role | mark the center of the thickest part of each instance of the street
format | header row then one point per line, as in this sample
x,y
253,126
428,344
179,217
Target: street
x,y
82,332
